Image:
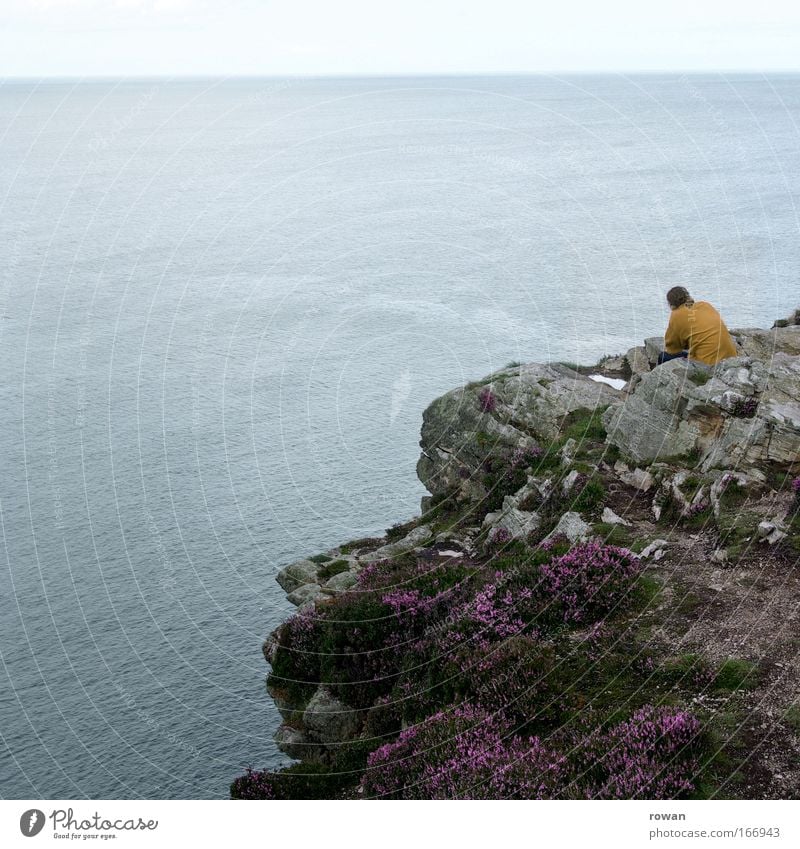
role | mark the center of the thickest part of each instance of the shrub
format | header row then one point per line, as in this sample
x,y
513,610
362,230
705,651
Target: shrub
x,y
296,664
487,400
744,408
588,581
300,781
651,755
463,754
589,493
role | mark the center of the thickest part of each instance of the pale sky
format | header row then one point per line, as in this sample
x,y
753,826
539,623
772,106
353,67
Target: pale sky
x,y
41,38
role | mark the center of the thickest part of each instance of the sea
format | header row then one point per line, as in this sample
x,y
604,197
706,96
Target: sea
x,y
224,305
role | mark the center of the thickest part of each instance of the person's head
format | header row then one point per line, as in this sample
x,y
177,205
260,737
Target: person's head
x,y
678,296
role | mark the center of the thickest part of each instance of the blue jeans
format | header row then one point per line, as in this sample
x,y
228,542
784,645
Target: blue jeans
x,y
664,357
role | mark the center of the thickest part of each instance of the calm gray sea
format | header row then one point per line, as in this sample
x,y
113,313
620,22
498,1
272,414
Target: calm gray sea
x,y
225,305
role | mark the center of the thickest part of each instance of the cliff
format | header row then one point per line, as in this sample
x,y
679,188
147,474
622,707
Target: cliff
x,y
599,600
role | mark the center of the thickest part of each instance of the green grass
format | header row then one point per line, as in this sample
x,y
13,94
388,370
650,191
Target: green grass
x,y
699,378
584,425
335,567
612,534
723,755
792,718
736,674
363,542
320,558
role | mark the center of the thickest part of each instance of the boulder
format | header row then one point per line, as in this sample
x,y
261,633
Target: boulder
x,y
653,346
327,720
305,595
572,526
637,360
656,549
640,479
770,532
341,582
518,523
296,574
740,412
611,518
395,549
764,344
519,408
292,742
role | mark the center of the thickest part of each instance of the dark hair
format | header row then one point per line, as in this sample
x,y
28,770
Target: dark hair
x,y
678,296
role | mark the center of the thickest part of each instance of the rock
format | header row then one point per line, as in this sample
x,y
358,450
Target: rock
x,y
569,482
327,720
764,344
567,452
292,742
395,549
741,412
792,319
516,408
655,549
305,595
269,648
653,346
572,526
613,366
296,574
519,523
770,532
611,518
638,478
719,555
341,582
637,360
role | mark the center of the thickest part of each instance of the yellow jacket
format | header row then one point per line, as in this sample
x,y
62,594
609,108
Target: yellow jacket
x,y
700,330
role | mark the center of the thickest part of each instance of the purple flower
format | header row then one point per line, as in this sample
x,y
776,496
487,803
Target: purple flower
x,y
487,400
463,753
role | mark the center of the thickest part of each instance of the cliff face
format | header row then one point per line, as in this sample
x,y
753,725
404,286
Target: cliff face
x,y
579,541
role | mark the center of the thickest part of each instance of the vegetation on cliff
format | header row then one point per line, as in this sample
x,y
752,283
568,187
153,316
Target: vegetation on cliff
x,y
576,614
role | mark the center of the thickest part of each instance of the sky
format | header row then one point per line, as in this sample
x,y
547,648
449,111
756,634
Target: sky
x,y
40,38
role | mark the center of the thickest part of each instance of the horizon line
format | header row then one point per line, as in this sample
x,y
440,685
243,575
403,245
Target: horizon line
x,y
397,75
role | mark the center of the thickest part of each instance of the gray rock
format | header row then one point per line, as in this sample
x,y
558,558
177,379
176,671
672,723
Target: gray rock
x,y
764,344
572,526
637,360
568,484
305,595
518,523
653,346
683,408
327,720
395,549
292,742
611,518
770,532
613,366
567,452
655,549
638,478
526,407
296,574
341,582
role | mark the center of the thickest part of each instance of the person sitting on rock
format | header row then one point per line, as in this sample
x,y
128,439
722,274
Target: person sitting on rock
x,y
696,330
